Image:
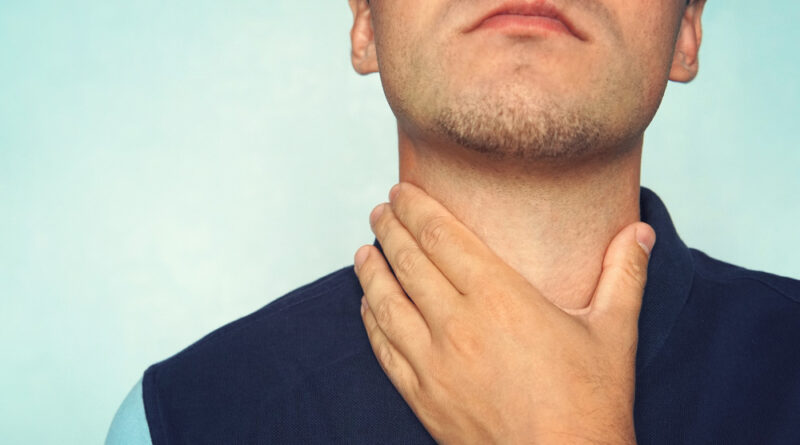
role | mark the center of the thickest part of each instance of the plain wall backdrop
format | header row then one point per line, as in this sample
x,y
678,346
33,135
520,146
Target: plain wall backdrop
x,y
168,167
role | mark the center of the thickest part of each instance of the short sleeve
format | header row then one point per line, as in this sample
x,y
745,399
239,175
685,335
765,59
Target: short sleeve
x,y
129,426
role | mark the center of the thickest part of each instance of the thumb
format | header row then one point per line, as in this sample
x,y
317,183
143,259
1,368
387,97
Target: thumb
x,y
617,299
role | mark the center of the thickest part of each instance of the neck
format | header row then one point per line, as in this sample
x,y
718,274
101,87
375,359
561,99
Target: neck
x,y
551,223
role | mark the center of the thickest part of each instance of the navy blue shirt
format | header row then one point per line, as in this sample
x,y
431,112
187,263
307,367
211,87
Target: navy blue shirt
x,y
718,361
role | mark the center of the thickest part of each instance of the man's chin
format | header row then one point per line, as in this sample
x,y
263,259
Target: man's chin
x,y
507,135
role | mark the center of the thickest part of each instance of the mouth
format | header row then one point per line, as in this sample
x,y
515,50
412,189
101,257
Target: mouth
x,y
524,17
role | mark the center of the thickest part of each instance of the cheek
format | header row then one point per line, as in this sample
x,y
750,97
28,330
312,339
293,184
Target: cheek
x,y
392,52
650,48
399,27
409,65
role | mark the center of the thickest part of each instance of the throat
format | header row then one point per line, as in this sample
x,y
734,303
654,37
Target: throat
x,y
551,225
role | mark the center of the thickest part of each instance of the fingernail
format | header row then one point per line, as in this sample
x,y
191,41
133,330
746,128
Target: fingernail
x,y
363,304
376,213
393,192
646,239
361,255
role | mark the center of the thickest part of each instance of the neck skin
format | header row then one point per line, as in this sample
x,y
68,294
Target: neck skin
x,y
551,223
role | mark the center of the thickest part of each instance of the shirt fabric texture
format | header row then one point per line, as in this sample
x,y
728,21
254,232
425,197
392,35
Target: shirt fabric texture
x,y
717,362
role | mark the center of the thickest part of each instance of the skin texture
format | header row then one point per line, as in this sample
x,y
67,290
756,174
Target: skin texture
x,y
532,142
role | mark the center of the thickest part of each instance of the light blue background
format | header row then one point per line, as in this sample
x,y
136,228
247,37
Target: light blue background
x,y
166,167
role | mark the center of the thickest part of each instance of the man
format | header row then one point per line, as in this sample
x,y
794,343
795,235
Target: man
x,y
523,242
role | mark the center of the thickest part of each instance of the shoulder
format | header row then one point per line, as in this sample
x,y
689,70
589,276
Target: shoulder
x,y
735,280
261,355
299,370
289,323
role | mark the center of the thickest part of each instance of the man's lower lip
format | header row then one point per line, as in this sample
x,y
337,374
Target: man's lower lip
x,y
524,24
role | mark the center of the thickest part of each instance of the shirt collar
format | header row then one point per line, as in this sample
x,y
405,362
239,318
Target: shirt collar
x,y
669,279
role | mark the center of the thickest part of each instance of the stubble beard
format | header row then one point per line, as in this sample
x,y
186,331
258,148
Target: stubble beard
x,y
513,125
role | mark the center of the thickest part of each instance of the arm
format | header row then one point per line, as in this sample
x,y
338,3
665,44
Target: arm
x,y
129,426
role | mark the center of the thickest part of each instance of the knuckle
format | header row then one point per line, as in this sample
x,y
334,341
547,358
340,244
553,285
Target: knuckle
x,y
639,262
478,280
630,275
635,274
469,346
384,354
462,340
434,232
383,313
407,261
502,308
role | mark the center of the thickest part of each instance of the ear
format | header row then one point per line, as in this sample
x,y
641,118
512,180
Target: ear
x,y
684,60
362,38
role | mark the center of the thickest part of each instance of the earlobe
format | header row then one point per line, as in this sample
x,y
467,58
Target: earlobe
x,y
363,55
685,63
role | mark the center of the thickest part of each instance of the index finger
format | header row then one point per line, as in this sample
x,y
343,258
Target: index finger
x,y
461,256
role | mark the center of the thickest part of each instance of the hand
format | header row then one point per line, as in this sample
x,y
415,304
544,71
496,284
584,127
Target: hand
x,y
478,353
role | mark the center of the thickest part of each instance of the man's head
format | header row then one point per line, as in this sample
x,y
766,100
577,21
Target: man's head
x,y
527,93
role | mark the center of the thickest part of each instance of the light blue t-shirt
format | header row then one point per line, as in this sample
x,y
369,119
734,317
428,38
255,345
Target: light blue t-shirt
x,y
129,426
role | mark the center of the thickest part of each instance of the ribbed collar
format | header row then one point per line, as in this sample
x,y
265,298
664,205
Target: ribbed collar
x,y
669,279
